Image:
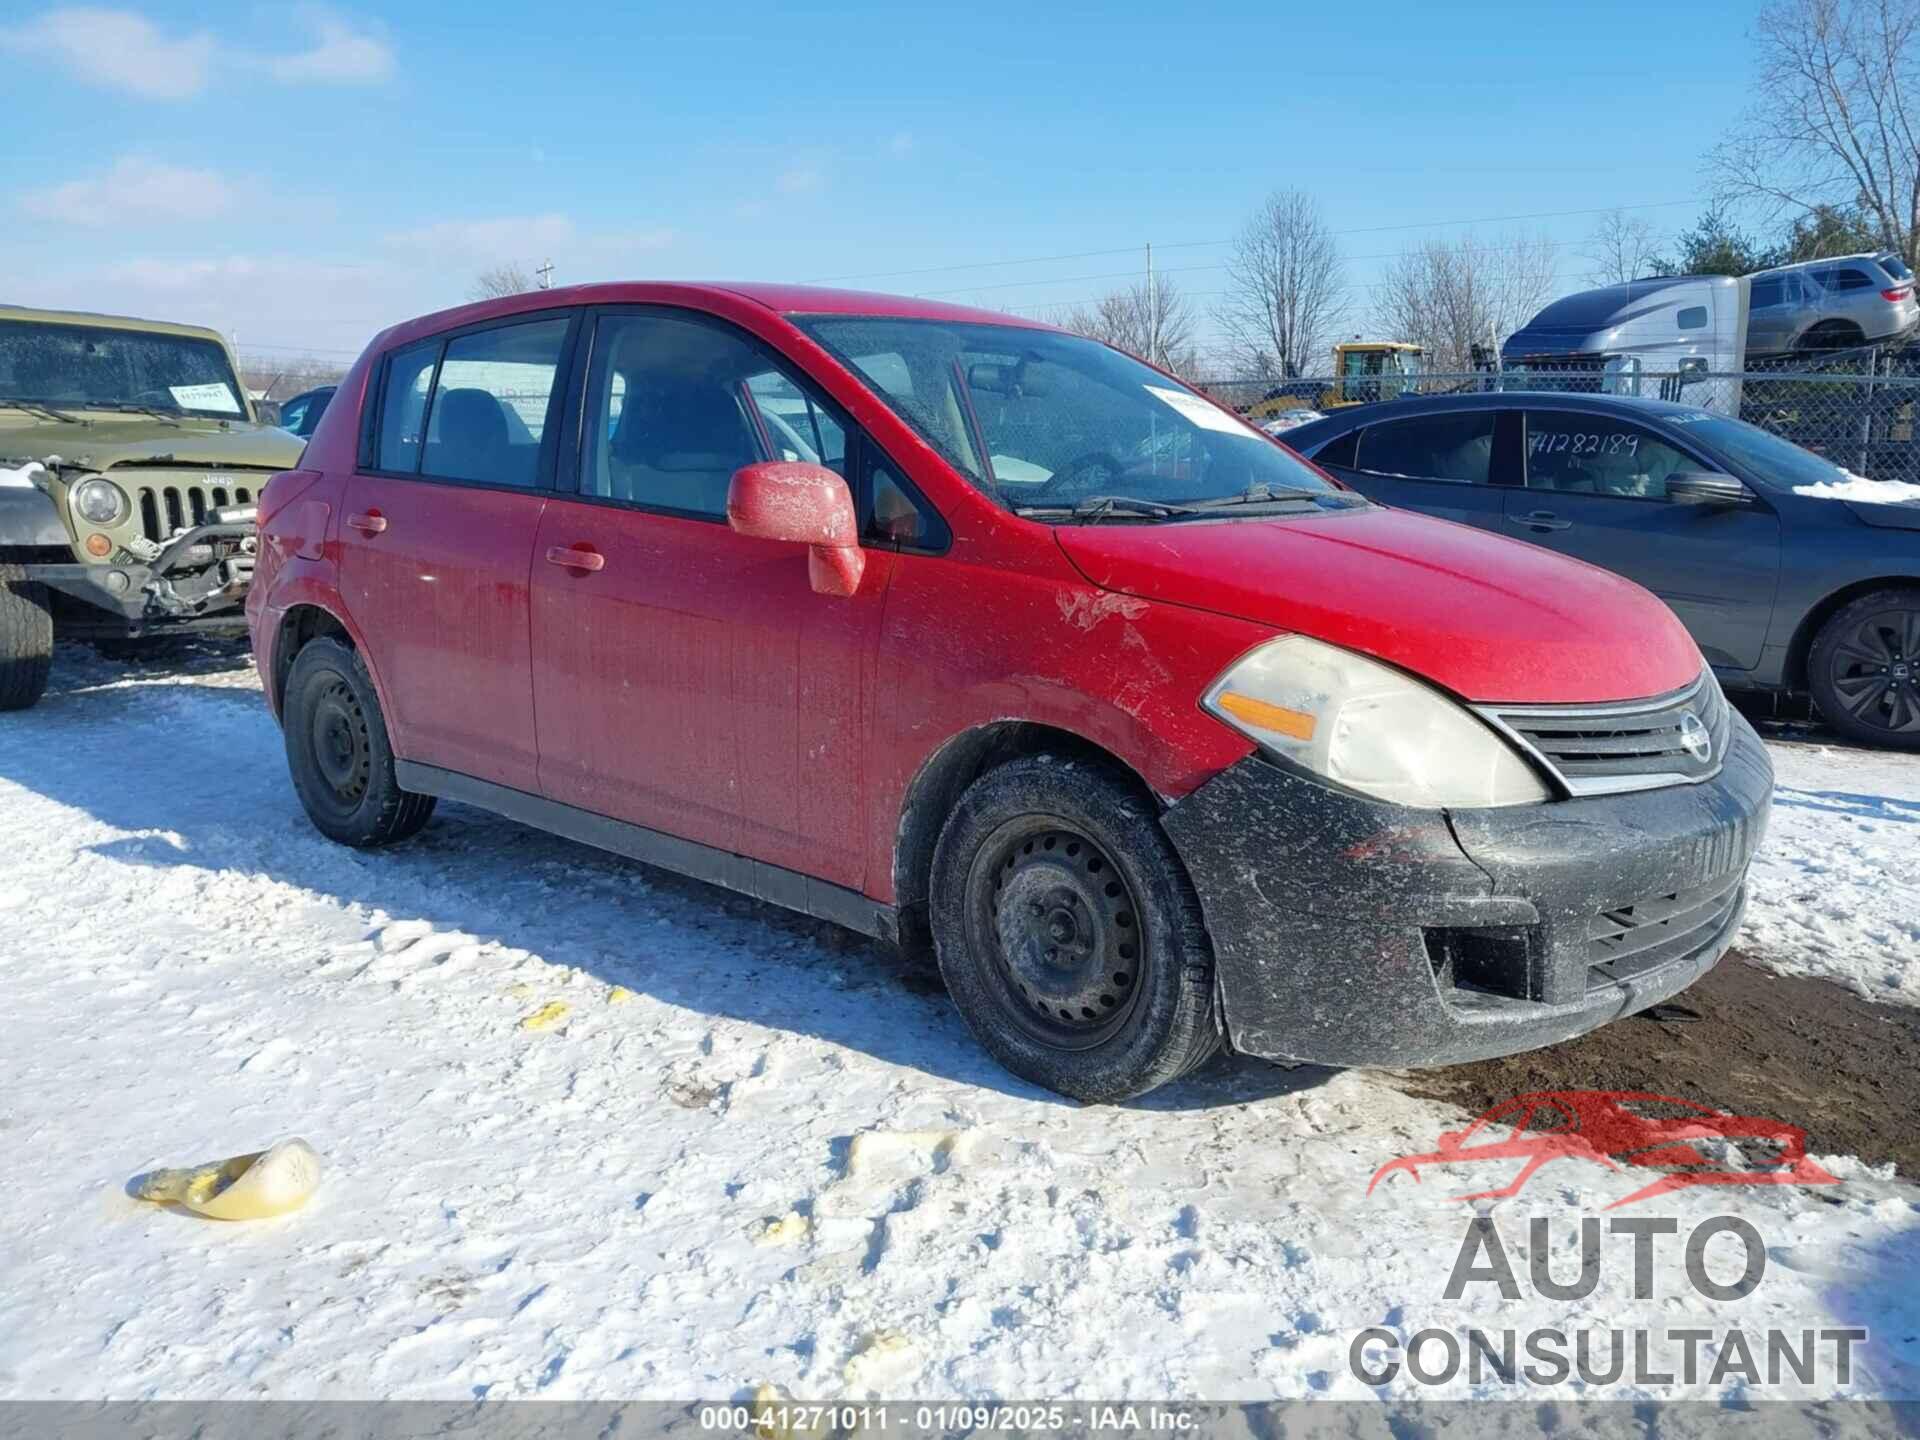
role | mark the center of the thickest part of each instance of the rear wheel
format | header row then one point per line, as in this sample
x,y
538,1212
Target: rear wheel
x,y
339,754
1833,335
1864,669
26,639
1068,932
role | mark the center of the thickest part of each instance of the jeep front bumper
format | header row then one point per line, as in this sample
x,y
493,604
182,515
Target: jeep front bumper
x,y
1347,931
200,575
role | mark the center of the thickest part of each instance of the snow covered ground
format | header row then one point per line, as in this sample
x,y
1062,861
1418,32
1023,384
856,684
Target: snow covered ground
x,y
595,1132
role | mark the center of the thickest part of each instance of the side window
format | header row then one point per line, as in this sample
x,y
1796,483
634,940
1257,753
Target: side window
x,y
669,414
1340,451
293,416
898,517
1853,280
1694,317
404,406
1457,447
1598,455
1767,293
490,405
795,428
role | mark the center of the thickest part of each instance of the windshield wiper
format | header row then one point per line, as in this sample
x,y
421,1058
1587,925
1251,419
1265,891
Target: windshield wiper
x,y
1096,507
128,407
35,407
1259,494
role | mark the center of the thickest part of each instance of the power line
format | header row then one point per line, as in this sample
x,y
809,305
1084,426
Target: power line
x,y
1202,244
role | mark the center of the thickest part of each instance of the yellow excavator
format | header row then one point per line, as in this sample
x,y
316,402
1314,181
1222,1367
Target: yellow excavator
x,y
1363,371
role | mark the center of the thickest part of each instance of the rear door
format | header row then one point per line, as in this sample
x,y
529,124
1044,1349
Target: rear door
x,y
1596,490
1445,463
437,541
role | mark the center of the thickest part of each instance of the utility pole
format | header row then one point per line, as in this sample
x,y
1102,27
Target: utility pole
x,y
545,272
1153,312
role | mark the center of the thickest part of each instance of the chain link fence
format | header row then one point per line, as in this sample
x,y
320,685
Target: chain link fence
x,y
1863,420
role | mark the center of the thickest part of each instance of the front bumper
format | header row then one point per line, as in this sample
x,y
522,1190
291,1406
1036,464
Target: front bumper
x,y
1351,932
199,579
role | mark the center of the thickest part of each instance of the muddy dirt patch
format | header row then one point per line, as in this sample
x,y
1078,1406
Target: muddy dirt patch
x,y
1745,1041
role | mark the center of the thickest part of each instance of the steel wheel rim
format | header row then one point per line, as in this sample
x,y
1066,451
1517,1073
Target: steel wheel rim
x,y
1875,671
1060,927
340,745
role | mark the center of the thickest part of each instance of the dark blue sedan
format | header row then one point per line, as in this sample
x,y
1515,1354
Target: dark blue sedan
x,y
1788,577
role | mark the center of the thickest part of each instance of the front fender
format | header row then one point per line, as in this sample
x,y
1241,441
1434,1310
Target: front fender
x,y
30,520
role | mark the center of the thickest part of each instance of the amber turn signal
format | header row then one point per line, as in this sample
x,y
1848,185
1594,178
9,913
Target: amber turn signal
x,y
1297,724
99,546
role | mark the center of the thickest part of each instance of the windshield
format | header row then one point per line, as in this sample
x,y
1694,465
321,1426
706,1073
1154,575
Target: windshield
x,y
1040,420
1766,458
85,366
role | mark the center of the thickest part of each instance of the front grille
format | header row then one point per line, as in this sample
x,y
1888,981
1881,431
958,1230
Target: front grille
x,y
1604,749
168,507
1631,940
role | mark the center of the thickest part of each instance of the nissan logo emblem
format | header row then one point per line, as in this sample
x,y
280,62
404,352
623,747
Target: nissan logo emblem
x,y
1695,739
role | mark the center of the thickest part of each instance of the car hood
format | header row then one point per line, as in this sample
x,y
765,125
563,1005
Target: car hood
x,y
102,444
1491,619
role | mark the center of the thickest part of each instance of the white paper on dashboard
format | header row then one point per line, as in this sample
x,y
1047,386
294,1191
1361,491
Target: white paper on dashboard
x,y
1202,413
213,396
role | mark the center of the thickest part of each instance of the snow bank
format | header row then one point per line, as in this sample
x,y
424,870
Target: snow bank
x,y
20,478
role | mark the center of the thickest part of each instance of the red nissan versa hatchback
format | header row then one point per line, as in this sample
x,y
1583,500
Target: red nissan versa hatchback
x,y
941,624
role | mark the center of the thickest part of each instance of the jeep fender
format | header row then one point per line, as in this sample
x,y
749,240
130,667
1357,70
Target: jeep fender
x,y
29,520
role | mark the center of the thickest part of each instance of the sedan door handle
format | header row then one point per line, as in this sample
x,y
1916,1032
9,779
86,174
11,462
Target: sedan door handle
x,y
371,523
576,557
1541,520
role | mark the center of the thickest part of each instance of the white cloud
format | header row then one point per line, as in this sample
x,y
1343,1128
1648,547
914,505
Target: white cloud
x,y
800,180
134,189
340,55
123,50
118,50
488,241
901,144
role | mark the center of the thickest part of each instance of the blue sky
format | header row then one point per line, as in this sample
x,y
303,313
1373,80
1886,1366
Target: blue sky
x,y
301,175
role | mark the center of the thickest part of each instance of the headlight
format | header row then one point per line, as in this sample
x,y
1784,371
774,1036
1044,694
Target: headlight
x,y
1367,726
99,502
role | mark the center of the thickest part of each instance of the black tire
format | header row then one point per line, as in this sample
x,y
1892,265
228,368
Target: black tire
x,y
1068,932
339,754
1864,668
1833,335
26,639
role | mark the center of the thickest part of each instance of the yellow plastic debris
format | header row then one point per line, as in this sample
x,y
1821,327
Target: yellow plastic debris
x,y
547,1016
786,1230
619,995
247,1187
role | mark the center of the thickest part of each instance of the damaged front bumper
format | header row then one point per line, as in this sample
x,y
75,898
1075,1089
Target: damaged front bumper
x,y
1347,931
197,579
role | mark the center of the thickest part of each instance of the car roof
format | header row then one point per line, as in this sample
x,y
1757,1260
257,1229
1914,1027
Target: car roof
x,y
1356,416
707,295
28,315
1872,257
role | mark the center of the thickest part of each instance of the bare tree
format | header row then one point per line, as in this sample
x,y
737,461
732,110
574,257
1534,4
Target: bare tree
x,y
280,378
1835,123
1284,293
1622,248
1157,325
500,280
1449,296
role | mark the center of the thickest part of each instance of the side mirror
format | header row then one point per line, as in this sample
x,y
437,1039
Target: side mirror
x,y
1704,487
806,505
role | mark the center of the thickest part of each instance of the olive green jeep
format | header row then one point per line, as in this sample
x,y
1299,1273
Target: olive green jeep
x,y
130,457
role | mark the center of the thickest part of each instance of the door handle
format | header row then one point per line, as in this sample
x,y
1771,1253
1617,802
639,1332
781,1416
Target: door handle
x,y
1541,520
371,523
576,557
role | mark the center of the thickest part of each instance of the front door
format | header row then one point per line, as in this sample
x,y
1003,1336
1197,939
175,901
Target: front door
x,y
1442,464
1596,490
437,540
688,679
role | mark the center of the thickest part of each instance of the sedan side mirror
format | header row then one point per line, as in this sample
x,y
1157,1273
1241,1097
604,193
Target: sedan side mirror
x,y
1704,487
807,505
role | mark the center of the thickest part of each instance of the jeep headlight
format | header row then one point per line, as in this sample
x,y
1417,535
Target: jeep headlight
x,y
1369,727
100,502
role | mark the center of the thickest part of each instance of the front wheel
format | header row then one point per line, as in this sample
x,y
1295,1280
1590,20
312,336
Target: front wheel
x,y
26,639
339,754
1068,932
1864,669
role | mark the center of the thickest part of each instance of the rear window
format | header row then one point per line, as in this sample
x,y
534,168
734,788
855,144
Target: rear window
x,y
1896,267
1431,447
